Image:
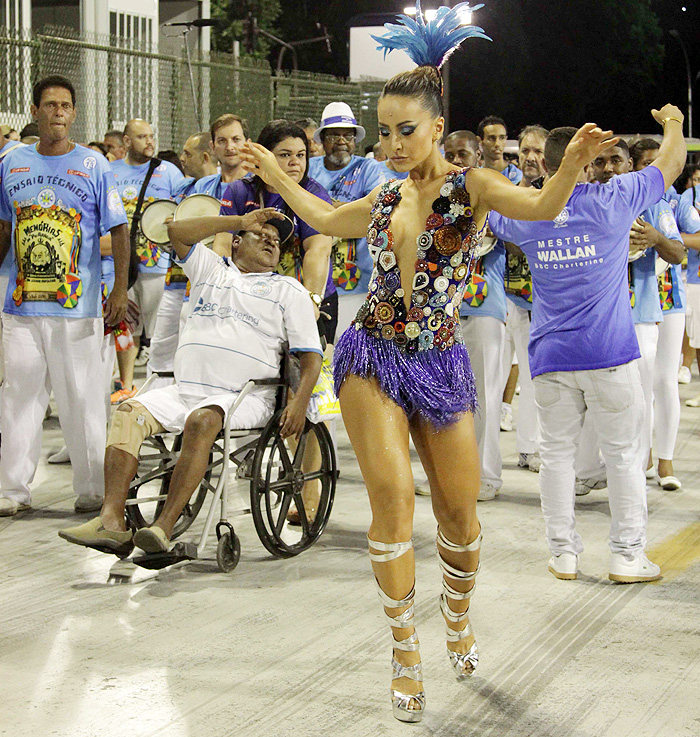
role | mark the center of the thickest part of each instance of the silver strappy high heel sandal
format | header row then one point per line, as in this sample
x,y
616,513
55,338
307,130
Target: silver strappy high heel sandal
x,y
464,664
406,707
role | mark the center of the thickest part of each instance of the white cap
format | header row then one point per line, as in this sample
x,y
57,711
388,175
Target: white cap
x,y
338,115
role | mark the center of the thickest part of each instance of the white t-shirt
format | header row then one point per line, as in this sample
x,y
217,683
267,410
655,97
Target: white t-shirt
x,y
237,325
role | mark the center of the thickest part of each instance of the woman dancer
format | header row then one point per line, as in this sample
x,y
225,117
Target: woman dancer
x,y
401,367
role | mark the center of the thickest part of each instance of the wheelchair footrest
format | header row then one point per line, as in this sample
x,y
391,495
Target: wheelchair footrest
x,y
179,552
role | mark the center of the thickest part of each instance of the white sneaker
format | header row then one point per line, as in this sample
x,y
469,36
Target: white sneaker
x,y
487,492
669,483
531,461
684,375
694,402
506,417
10,507
585,486
142,356
650,473
422,490
60,457
630,569
564,566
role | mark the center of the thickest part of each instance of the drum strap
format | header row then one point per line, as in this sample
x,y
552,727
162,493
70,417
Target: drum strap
x,y
133,237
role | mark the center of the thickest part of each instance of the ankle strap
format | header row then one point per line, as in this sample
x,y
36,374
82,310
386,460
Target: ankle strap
x,y
414,672
449,614
390,551
449,545
409,644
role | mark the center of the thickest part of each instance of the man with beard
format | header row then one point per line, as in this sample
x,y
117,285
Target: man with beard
x,y
492,134
347,178
131,172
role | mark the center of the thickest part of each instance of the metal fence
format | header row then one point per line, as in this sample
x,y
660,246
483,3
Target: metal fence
x,y
116,81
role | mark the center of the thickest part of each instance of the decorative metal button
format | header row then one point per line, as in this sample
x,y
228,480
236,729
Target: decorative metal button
x,y
399,327
387,259
457,259
441,205
439,300
388,332
425,240
433,221
460,272
436,319
441,284
421,265
412,330
447,240
425,340
420,299
420,280
447,272
393,281
415,314
384,312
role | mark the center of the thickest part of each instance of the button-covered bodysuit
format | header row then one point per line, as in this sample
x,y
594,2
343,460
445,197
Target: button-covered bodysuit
x,y
416,352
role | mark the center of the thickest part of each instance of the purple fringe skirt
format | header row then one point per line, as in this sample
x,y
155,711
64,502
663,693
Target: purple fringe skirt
x,y
438,386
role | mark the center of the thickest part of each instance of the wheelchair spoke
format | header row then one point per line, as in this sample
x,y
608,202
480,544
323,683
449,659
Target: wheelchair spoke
x,y
315,475
301,448
284,455
284,508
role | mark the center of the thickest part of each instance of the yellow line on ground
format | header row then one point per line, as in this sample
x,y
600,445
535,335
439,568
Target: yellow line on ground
x,y
678,553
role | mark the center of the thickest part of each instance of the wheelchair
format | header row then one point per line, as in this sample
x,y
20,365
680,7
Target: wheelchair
x,y
276,473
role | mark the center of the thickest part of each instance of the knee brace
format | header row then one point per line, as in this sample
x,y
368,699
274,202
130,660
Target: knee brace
x,y
131,425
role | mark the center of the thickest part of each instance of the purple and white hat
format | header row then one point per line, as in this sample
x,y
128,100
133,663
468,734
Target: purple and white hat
x,y
338,115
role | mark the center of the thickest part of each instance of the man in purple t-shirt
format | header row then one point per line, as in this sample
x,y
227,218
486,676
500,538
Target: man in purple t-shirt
x,y
583,347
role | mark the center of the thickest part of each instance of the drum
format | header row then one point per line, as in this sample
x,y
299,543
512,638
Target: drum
x,y
488,243
636,255
153,219
198,206
661,266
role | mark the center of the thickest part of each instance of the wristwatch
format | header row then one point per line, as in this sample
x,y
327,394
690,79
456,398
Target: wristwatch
x,y
315,298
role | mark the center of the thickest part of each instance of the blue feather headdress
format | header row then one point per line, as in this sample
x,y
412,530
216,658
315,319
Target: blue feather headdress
x,y
429,43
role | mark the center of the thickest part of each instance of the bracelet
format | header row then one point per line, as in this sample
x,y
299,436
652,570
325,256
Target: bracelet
x,y
671,117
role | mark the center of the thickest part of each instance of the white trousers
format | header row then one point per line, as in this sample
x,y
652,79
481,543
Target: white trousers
x,y
108,355
667,404
518,335
692,314
614,400
63,354
347,309
3,290
167,331
484,338
588,463
147,293
647,337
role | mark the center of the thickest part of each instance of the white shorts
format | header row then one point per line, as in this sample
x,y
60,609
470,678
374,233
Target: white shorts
x,y
692,314
171,408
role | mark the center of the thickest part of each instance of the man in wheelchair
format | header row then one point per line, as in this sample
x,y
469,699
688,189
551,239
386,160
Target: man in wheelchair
x,y
241,315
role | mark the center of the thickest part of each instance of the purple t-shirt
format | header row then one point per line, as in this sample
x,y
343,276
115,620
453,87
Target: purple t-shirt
x,y
241,195
582,317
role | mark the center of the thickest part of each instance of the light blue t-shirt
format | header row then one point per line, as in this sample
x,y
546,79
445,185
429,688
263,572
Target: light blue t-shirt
x,y
390,174
688,217
211,185
674,271
644,284
513,173
581,318
162,186
493,266
350,259
6,266
59,207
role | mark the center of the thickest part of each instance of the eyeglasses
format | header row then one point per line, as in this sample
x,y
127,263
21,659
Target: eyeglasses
x,y
333,137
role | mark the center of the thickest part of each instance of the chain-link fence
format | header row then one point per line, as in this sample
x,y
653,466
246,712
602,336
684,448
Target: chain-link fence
x,y
116,80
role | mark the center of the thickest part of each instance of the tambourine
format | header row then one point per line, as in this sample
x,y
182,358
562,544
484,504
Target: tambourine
x,y
488,243
198,206
152,222
660,266
636,256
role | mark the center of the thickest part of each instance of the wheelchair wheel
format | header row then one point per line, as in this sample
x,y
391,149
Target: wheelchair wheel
x,y
228,548
279,476
148,490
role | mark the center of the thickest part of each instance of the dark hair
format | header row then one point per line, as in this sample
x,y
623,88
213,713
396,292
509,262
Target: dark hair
x,y
115,134
170,156
639,147
490,120
468,136
555,145
536,129
31,129
273,133
100,146
226,119
55,80
306,123
424,83
682,182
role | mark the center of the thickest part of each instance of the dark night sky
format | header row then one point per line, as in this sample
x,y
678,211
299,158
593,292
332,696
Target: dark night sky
x,y
555,62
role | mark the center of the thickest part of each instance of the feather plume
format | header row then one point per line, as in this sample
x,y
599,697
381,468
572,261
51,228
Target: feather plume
x,y
429,43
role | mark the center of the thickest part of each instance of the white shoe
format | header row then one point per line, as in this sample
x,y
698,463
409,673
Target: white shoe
x,y
531,461
626,569
585,486
422,490
684,375
694,402
564,566
86,503
10,507
669,483
487,492
650,473
60,457
506,417
142,356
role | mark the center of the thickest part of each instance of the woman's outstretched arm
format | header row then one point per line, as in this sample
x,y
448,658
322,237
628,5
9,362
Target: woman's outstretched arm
x,y
349,221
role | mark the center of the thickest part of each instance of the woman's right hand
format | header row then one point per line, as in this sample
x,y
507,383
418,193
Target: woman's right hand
x,y
668,111
258,160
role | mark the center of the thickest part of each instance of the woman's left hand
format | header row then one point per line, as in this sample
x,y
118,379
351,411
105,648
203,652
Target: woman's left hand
x,y
258,160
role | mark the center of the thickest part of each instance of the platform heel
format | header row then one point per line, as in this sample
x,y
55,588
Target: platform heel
x,y
406,707
464,664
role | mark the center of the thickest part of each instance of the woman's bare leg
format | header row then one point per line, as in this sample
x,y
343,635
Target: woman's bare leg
x,y
450,458
378,431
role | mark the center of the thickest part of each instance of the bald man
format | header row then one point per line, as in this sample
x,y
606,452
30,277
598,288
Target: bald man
x,y
131,172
